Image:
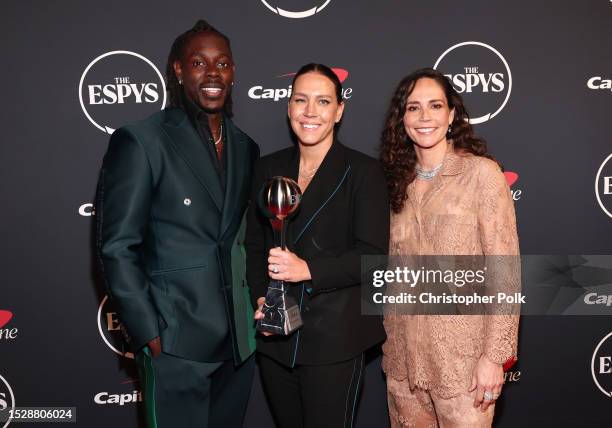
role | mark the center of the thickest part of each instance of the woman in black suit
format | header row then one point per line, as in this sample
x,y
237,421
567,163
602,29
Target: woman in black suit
x,y
312,377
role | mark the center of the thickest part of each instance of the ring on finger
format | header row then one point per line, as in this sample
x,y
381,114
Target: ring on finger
x,y
489,396
275,268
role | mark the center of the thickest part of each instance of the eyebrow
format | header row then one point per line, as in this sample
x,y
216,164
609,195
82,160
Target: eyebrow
x,y
305,95
430,101
199,55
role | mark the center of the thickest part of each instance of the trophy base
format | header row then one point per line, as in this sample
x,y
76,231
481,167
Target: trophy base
x,y
286,321
281,312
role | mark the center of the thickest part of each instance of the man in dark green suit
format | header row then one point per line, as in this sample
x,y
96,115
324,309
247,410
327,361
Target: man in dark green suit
x,y
171,200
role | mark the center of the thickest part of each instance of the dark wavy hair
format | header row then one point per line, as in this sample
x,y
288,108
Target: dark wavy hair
x,y
397,150
176,51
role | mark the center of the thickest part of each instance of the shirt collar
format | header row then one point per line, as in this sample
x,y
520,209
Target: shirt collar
x,y
453,162
195,112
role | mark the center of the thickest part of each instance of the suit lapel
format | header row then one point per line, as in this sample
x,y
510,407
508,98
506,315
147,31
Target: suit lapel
x,y
236,154
329,178
188,144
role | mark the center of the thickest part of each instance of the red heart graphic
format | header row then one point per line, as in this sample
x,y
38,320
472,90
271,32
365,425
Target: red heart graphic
x,y
5,317
511,178
341,73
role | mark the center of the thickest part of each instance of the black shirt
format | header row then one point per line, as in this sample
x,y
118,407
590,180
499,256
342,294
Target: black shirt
x,y
199,119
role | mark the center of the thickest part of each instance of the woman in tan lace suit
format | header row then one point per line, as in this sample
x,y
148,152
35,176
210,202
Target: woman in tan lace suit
x,y
448,197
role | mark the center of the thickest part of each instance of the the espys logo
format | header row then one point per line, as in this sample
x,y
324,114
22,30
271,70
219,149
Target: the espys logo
x,y
7,398
603,186
259,92
511,179
7,333
305,8
118,87
601,365
481,75
110,328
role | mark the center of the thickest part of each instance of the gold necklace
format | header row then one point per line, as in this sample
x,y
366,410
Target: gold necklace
x,y
220,135
309,174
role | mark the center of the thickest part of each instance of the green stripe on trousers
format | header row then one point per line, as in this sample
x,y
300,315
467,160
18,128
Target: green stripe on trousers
x,y
147,385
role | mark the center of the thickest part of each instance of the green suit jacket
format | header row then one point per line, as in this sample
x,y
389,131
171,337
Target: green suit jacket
x,y
170,239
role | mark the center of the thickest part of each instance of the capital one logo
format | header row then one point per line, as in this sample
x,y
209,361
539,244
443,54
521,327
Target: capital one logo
x,y
596,82
7,333
511,179
87,210
121,398
7,398
311,7
259,92
603,186
512,376
481,75
110,327
118,87
601,365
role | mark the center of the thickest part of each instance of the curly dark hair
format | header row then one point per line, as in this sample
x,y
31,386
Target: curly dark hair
x,y
397,149
173,87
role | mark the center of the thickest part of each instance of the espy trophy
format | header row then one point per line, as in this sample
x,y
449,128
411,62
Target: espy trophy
x,y
279,199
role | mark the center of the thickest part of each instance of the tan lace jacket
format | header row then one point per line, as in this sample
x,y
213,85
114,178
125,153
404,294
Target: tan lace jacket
x,y
468,210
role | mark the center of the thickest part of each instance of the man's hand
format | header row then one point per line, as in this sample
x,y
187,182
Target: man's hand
x,y
155,346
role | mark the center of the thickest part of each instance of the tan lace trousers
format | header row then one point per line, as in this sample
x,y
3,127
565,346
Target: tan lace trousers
x,y
421,409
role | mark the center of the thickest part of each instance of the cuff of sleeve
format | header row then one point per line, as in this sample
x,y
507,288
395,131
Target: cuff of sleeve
x,y
506,364
499,354
256,293
140,322
253,301
317,268
142,338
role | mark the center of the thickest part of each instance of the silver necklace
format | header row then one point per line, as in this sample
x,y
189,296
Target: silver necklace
x,y
427,175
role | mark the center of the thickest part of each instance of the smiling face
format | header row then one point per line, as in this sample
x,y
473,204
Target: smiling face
x,y
427,115
206,69
314,109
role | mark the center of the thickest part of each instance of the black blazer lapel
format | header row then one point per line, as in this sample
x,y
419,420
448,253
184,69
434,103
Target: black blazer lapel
x,y
188,144
236,155
329,178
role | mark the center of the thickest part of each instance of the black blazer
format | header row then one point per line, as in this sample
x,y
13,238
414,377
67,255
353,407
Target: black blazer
x,y
344,214
167,236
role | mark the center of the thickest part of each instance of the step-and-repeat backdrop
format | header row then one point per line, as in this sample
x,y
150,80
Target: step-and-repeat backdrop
x,y
536,77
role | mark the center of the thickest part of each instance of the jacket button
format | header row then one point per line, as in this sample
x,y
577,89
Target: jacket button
x,y
187,201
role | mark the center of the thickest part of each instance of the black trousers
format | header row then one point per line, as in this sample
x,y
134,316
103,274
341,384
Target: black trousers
x,y
321,396
190,394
